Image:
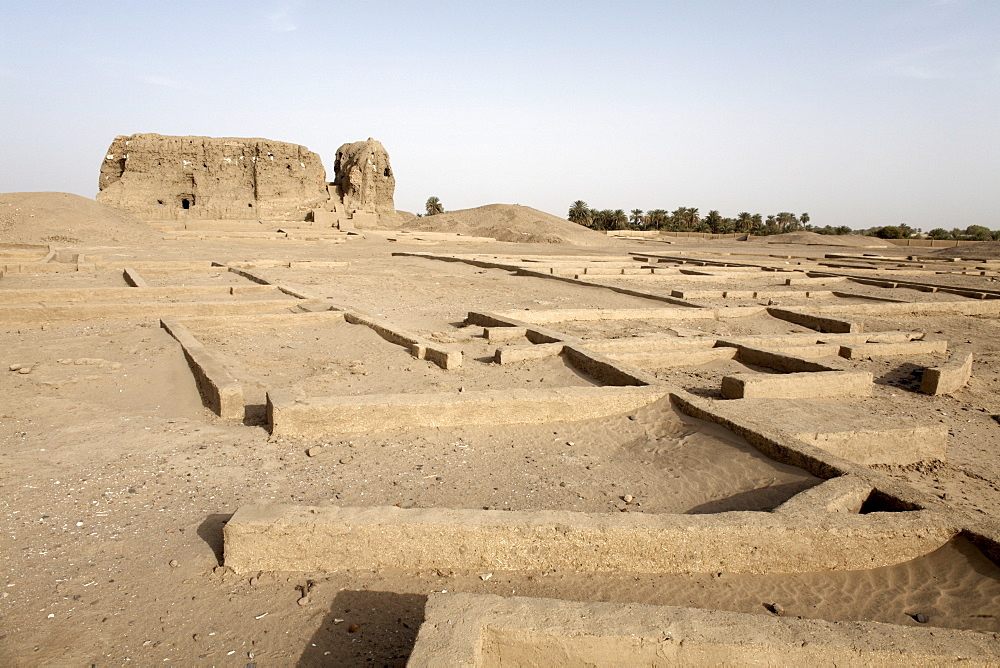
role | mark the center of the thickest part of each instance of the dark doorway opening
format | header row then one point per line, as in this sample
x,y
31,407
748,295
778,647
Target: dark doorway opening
x,y
185,204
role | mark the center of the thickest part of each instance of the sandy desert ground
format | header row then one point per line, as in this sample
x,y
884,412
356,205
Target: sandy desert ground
x,y
117,481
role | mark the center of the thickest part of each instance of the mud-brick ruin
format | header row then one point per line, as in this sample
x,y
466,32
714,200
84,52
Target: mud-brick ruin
x,y
159,177
300,439
364,180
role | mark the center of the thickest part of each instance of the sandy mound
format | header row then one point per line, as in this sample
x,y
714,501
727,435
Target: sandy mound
x,y
40,218
510,222
814,239
985,250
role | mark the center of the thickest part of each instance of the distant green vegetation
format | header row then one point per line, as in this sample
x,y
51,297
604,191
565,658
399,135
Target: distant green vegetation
x,y
971,233
687,219
433,206
903,231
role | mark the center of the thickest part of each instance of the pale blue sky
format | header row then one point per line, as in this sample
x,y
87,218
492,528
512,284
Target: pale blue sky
x,y
861,113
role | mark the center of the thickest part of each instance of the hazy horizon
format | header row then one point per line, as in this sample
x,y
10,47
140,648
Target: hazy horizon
x,y
858,113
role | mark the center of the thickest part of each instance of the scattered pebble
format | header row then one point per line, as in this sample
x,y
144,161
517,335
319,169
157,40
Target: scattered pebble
x,y
346,460
920,618
628,498
485,576
314,450
173,563
24,370
353,628
15,367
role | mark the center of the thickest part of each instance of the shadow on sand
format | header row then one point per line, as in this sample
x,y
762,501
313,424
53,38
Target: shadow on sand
x,y
366,628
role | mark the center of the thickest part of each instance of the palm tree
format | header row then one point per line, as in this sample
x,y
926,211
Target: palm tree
x,y
636,217
603,219
678,219
657,218
618,219
580,213
433,206
756,223
693,219
787,222
714,221
744,222
804,219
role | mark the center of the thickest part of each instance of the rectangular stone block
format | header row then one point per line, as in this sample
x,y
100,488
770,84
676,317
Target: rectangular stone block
x,y
964,307
82,296
133,278
815,351
604,369
220,391
797,385
675,358
140,310
949,377
650,344
504,333
551,316
698,294
517,354
815,280
475,631
277,537
844,494
861,351
325,218
817,322
780,361
320,417
886,445
846,429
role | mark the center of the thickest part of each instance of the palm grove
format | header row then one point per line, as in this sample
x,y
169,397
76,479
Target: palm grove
x,y
688,219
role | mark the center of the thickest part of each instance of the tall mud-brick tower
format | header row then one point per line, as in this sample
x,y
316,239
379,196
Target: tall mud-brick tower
x,y
159,177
